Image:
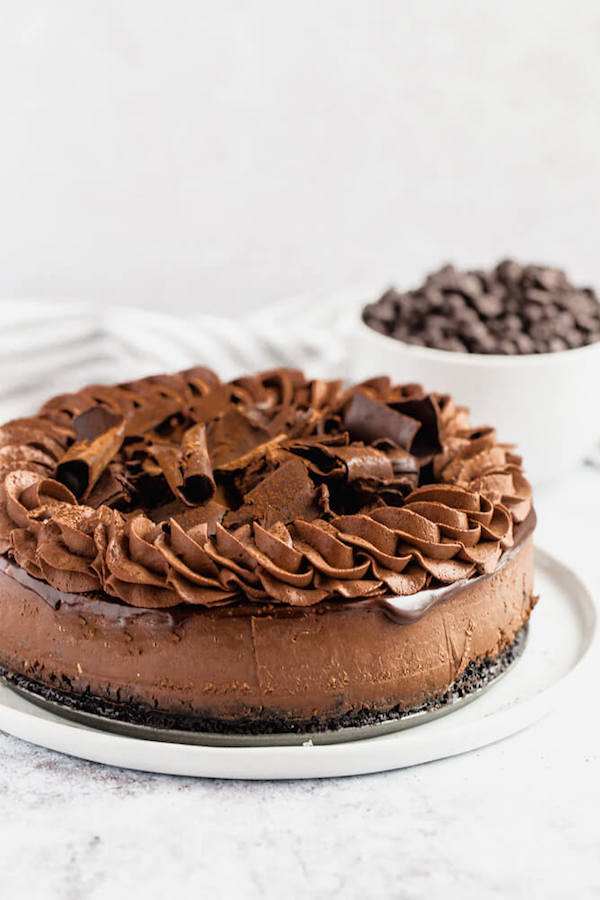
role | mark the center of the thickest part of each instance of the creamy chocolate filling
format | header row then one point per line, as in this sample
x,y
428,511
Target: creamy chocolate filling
x,y
271,666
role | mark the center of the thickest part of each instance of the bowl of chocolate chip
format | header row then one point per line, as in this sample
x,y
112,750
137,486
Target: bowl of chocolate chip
x,y
518,344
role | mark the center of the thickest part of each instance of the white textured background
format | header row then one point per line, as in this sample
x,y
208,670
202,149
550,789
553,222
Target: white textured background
x,y
216,156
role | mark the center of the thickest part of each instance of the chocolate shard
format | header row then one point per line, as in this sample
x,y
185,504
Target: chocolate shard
x,y
233,436
321,454
111,489
93,422
286,494
211,405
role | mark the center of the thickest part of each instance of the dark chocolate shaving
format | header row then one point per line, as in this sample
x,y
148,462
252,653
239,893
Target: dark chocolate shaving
x,y
232,436
84,462
284,495
425,411
370,420
198,481
93,422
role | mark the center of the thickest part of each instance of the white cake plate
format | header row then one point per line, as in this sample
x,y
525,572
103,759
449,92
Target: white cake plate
x,y
553,664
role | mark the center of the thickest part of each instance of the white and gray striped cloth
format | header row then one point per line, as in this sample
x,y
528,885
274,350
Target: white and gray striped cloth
x,y
49,348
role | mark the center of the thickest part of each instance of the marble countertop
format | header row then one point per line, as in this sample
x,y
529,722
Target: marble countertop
x,y
518,818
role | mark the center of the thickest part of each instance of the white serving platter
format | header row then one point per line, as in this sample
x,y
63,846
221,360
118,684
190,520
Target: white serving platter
x,y
554,663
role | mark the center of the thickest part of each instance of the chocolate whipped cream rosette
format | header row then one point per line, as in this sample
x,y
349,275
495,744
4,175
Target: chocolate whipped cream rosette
x,y
270,554
516,343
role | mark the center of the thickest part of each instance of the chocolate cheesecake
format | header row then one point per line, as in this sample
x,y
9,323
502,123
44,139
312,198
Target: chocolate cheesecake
x,y
269,554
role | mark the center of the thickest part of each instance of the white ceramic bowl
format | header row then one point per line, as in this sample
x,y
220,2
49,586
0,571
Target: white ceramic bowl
x,y
547,404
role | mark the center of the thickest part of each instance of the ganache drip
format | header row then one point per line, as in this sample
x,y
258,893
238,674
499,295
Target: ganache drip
x,y
181,489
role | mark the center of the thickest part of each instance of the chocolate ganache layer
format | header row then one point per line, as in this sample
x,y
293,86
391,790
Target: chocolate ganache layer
x,y
181,489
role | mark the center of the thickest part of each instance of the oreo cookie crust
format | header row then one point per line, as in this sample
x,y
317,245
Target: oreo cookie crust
x,y
477,676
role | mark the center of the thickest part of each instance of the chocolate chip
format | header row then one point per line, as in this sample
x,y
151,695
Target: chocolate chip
x,y
533,312
434,298
508,271
476,331
563,321
489,305
507,347
550,279
556,343
587,322
467,315
469,284
574,338
385,310
529,276
512,304
524,343
486,344
512,324
541,331
510,309
538,296
376,325
455,304
452,343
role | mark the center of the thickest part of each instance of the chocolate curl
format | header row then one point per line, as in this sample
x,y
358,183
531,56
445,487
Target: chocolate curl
x,y
424,410
370,420
198,481
187,469
99,434
365,463
166,460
